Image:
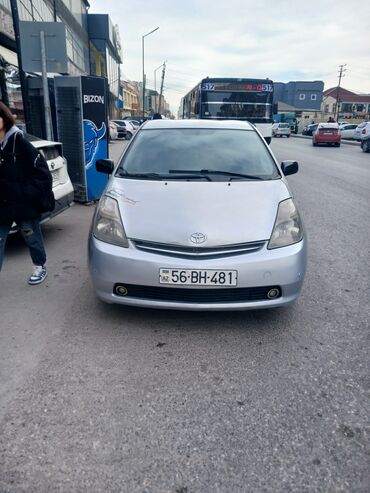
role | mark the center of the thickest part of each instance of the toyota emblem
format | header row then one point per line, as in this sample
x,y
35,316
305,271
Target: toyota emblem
x,y
198,238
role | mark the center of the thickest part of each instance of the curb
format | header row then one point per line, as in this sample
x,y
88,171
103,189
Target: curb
x,y
343,141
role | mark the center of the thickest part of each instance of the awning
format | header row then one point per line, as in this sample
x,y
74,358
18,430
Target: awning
x,y
9,55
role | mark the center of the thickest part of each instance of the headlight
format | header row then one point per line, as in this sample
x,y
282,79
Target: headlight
x,y
108,225
288,227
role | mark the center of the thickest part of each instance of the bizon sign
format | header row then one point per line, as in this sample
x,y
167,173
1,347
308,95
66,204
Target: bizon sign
x,y
89,98
95,132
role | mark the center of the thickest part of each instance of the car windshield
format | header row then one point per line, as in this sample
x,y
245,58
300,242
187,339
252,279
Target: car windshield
x,y
185,153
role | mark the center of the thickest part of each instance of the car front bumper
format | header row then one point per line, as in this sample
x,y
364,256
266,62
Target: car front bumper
x,y
110,265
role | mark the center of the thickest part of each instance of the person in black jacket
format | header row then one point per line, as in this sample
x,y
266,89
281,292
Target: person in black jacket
x,y
25,192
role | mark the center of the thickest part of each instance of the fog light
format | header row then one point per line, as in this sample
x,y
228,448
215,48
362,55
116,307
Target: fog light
x,y
273,293
121,290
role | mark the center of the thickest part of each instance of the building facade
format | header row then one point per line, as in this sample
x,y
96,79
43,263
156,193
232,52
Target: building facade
x,y
72,13
131,99
105,56
303,95
351,106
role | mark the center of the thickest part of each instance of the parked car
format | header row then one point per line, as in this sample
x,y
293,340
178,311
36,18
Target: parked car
x,y
127,127
347,131
135,123
121,131
365,144
281,129
135,120
113,132
198,215
309,129
62,185
327,133
362,131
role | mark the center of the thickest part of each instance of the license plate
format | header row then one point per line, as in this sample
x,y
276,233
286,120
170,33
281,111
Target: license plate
x,y
328,133
198,277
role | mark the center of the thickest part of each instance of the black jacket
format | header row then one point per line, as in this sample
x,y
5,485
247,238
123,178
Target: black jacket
x,y
25,181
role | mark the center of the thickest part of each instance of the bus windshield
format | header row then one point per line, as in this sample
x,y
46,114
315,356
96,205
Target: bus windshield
x,y
253,106
232,99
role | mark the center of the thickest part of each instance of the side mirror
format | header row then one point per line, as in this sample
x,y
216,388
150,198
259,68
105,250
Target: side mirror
x,y
289,167
104,166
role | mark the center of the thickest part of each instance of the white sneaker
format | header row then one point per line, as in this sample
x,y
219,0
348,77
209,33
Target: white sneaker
x,y
39,274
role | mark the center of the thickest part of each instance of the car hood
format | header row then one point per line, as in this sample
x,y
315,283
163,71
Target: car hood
x,y
226,212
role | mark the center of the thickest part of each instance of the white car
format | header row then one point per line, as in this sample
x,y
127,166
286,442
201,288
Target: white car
x,y
347,131
129,127
280,129
362,131
57,163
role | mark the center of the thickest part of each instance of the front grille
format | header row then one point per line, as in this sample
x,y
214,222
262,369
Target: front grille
x,y
198,252
191,295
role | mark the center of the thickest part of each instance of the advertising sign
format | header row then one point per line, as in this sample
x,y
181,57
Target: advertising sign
x,y
95,132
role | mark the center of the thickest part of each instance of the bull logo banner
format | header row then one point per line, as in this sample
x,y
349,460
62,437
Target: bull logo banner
x,y
95,132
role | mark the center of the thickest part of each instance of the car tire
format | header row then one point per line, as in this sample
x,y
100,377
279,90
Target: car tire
x,y
288,136
128,135
365,146
314,144
338,144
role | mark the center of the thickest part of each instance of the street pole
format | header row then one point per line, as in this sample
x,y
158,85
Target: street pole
x,y
22,75
45,88
155,86
341,74
142,51
160,94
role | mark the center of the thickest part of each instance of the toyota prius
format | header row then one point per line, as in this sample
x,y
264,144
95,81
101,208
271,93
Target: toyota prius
x,y
197,215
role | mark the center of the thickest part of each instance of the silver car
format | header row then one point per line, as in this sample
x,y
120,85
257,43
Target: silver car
x,y
197,215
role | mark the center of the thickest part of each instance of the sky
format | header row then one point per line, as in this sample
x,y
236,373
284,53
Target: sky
x,y
280,39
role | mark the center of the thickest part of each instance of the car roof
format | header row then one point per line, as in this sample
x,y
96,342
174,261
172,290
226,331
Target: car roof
x,y
37,142
328,125
197,123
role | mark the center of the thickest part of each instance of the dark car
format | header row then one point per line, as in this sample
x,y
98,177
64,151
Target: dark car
x,y
309,129
365,144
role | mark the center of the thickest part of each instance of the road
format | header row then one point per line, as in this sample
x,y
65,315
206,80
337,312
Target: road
x,y
100,398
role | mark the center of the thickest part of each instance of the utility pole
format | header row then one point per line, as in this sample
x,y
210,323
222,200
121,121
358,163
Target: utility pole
x,y
161,92
341,75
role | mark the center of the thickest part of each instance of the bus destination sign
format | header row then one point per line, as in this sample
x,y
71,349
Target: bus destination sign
x,y
233,86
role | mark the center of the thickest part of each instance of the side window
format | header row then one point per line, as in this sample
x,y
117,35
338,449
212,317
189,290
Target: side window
x,y
302,97
313,97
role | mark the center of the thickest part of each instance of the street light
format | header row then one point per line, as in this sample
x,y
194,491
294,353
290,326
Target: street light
x,y
155,82
142,39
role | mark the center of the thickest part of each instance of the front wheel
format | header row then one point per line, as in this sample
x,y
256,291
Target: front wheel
x,y
288,136
337,144
314,144
128,135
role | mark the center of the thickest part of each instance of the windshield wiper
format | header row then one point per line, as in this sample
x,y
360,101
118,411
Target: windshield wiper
x,y
206,172
157,176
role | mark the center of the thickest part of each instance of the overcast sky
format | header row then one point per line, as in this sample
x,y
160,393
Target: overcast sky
x,y
280,39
